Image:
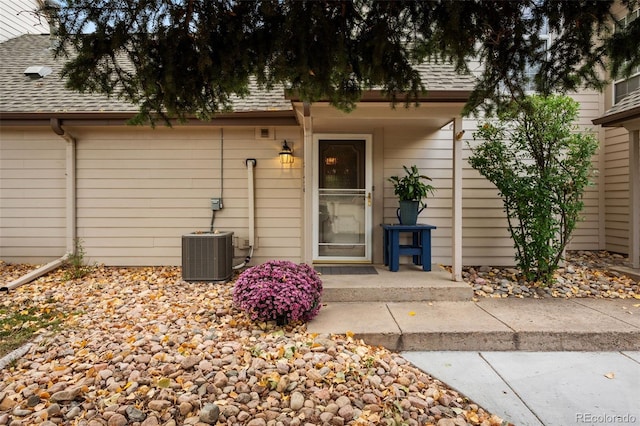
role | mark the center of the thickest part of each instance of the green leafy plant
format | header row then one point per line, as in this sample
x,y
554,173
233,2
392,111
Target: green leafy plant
x,y
411,186
541,165
76,266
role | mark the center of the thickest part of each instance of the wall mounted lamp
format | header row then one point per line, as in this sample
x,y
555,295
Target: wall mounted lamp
x,y
286,154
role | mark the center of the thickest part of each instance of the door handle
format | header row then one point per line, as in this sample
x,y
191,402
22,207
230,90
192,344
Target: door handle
x,y
369,198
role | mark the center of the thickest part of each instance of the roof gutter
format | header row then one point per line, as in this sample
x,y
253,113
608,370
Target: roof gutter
x,y
381,96
255,118
70,196
617,119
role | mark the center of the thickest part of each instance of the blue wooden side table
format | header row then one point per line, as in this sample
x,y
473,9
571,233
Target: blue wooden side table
x,y
420,248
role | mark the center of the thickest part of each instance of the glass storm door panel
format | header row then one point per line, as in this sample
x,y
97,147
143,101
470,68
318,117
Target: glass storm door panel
x,y
343,200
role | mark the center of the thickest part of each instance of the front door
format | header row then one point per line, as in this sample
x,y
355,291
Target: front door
x,y
342,198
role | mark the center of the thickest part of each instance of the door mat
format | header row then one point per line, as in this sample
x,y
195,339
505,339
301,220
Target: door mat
x,y
347,270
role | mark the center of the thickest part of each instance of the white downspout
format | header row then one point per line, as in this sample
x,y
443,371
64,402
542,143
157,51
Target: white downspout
x,y
251,163
36,273
70,207
70,173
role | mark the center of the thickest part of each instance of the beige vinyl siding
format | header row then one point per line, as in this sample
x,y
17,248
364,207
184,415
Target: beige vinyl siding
x,y
616,177
140,190
587,235
486,240
16,19
32,190
431,152
485,236
617,190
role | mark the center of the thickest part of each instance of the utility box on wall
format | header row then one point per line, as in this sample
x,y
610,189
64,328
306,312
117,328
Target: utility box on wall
x,y
207,256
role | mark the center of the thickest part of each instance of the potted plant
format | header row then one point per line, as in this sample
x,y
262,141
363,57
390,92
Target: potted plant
x,y
411,191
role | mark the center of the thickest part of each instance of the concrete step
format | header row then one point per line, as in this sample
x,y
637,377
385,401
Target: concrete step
x,y
410,283
632,273
487,325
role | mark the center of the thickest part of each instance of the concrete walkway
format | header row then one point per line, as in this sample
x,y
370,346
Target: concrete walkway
x,y
543,388
488,325
529,361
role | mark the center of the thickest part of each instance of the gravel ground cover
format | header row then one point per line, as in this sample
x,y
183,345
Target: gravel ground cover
x,y
139,346
584,274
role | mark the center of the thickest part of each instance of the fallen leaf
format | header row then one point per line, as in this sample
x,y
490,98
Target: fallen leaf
x,y
609,375
472,417
412,313
164,383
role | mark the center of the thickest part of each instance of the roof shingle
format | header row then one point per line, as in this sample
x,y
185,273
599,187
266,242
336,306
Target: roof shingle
x,y
627,109
21,94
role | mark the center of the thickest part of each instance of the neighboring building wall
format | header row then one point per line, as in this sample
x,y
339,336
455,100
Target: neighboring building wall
x,y
616,175
32,189
140,190
16,19
617,190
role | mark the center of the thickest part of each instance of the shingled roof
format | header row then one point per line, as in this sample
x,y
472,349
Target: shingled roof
x,y
627,109
20,94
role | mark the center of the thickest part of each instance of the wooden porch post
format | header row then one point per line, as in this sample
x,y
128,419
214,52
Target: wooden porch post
x,y
307,231
456,199
634,198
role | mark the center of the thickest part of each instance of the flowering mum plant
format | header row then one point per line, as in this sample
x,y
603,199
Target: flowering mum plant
x,y
279,290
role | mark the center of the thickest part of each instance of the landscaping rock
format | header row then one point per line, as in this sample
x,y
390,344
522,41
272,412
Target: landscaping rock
x,y
209,414
140,346
586,274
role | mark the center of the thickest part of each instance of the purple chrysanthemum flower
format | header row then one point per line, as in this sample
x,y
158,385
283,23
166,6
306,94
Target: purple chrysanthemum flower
x,y
279,290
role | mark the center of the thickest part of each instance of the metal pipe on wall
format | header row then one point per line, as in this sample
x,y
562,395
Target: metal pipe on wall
x,y
251,163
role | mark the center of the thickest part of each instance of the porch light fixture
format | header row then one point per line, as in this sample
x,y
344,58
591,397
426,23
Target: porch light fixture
x,y
286,154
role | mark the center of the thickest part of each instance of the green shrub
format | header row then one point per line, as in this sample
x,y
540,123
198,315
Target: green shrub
x,y
541,166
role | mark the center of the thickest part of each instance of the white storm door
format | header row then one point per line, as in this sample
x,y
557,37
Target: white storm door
x,y
342,198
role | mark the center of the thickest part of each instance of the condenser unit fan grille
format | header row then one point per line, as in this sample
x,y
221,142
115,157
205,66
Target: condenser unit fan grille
x,y
207,256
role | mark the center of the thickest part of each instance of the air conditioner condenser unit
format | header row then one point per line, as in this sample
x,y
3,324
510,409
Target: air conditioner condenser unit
x,y
207,256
